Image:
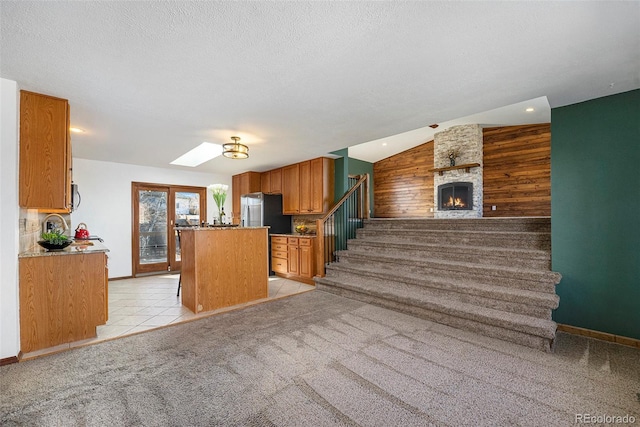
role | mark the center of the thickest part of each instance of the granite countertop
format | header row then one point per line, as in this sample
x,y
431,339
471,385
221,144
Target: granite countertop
x,y
77,248
292,235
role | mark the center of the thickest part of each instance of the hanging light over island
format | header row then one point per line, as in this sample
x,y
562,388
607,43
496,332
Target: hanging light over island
x,y
235,150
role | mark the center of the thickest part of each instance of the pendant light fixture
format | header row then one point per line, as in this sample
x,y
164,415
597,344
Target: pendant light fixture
x,y
235,150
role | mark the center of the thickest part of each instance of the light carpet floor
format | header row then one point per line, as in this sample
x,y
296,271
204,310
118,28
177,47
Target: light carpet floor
x,y
318,359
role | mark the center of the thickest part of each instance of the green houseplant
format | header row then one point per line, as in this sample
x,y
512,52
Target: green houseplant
x,y
54,240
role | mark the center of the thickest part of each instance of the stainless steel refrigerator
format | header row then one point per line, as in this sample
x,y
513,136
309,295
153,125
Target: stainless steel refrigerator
x,y
264,210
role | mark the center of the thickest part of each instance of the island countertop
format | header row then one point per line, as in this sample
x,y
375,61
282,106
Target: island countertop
x,y
218,228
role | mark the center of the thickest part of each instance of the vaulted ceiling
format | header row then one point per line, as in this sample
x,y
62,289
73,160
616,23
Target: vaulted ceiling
x,y
295,80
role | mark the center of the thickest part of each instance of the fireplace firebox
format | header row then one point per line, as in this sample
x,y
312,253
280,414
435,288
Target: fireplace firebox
x,y
455,196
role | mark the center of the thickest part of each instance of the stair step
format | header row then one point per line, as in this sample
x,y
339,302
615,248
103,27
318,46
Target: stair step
x,y
526,258
530,224
484,294
516,240
526,330
532,280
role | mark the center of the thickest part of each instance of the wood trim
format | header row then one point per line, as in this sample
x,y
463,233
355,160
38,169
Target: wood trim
x,y
112,279
171,190
297,278
604,336
466,167
10,360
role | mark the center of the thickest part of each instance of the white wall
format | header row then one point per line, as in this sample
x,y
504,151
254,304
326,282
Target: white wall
x,y
9,214
106,208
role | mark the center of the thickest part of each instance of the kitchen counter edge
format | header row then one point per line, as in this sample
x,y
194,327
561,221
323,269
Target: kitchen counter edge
x,y
71,250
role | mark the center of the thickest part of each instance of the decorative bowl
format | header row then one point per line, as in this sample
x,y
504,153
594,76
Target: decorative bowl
x,y
302,229
54,247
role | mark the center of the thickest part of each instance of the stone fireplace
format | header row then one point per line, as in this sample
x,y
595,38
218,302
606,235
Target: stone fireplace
x,y
455,196
465,177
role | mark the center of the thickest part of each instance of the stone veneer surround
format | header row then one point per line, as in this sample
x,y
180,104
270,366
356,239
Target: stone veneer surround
x,y
467,139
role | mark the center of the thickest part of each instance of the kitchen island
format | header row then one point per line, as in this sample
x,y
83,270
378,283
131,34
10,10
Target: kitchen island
x,y
223,266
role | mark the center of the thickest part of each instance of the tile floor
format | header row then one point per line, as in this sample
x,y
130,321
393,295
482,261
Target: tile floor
x,y
150,302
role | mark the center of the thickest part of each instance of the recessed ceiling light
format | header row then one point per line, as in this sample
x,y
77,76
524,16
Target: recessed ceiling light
x,y
530,110
76,130
202,153
384,144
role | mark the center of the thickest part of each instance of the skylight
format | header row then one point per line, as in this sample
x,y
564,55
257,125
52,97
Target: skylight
x,y
202,153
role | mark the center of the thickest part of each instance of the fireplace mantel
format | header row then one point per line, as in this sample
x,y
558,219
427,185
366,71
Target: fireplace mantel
x,y
467,167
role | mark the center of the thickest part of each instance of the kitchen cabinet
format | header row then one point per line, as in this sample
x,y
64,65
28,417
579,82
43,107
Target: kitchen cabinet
x,y
293,257
45,153
271,181
244,183
63,297
308,187
279,255
291,189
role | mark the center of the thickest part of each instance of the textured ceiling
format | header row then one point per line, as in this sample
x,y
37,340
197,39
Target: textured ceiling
x,y
151,80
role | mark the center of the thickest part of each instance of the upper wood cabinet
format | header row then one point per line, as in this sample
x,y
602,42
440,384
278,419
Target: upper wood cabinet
x,y
244,183
45,153
291,189
271,181
307,187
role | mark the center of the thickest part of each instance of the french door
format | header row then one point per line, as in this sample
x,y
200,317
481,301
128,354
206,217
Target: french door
x,y
157,209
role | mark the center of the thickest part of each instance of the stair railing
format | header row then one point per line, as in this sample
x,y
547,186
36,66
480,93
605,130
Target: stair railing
x,y
341,222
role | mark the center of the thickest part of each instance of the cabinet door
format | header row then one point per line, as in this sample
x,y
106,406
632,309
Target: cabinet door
x,y
276,181
41,304
265,182
294,259
291,189
316,183
45,152
305,187
306,261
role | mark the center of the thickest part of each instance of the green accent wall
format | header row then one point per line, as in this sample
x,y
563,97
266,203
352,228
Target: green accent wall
x,y
345,166
595,213
341,173
360,167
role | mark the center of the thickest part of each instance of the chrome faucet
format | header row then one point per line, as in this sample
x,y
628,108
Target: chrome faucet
x,y
65,227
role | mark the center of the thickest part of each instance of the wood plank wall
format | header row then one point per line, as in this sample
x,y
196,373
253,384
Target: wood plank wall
x,y
517,176
517,170
403,185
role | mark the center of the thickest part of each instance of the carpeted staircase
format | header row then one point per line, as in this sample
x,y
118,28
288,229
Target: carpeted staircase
x,y
488,275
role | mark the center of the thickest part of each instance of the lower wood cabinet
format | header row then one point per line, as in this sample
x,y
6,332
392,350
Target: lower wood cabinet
x,y
293,257
62,298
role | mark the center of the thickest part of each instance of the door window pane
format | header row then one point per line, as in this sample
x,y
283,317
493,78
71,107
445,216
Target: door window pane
x,y
187,213
153,226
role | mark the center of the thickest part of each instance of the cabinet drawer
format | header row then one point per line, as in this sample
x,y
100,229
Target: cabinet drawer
x,y
279,254
278,239
293,241
279,247
305,242
279,265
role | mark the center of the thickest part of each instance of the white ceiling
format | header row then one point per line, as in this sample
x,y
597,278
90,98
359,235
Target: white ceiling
x,y
296,80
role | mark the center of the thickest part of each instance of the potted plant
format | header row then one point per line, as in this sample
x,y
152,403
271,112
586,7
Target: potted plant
x,y
54,240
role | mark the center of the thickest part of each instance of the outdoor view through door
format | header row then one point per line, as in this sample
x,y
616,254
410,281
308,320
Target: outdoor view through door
x,y
157,209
